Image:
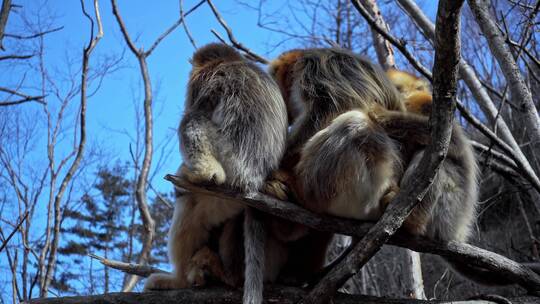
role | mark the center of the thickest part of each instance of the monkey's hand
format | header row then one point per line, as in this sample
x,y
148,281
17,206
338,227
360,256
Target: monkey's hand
x,y
204,171
277,185
391,192
203,265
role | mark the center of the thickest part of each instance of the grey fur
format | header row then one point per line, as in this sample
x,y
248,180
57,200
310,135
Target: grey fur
x,y
331,81
233,131
254,245
452,199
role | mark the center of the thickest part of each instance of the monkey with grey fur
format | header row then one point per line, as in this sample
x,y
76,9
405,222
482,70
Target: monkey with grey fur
x,y
353,144
232,133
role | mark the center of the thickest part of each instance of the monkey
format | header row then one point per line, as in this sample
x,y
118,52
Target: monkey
x,y
355,141
318,85
233,133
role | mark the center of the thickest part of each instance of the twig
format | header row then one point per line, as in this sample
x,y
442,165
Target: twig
x,y
400,45
136,269
232,39
6,240
184,24
6,57
34,35
37,99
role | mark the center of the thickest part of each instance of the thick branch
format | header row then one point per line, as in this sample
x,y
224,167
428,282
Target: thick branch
x,y
457,251
468,74
479,92
218,295
383,48
447,54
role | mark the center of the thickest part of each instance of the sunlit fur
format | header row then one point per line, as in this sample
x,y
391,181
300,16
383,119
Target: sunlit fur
x,y
332,164
233,133
448,210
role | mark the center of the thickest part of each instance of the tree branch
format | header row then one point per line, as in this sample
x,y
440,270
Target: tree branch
x,y
479,92
502,53
232,39
289,211
447,54
136,269
220,295
4,14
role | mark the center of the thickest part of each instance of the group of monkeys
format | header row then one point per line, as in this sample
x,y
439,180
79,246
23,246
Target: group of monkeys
x,y
326,129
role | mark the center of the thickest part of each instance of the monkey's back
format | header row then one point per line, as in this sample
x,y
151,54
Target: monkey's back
x,y
250,115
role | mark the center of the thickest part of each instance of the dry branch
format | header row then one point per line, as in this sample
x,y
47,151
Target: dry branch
x,y
457,251
136,269
4,14
218,295
250,54
447,54
502,53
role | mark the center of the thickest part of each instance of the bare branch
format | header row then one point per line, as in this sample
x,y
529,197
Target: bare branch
x,y
8,57
136,269
400,45
6,240
232,39
184,24
457,251
385,53
447,54
51,264
219,295
475,85
518,88
4,15
123,29
34,35
37,99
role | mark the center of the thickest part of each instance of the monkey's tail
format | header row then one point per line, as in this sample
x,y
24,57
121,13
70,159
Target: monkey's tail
x,y
254,239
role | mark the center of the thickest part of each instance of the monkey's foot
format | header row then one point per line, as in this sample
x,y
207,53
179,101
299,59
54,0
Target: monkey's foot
x,y
207,170
276,185
163,281
205,264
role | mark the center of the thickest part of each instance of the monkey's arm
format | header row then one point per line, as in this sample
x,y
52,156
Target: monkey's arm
x,y
199,137
405,127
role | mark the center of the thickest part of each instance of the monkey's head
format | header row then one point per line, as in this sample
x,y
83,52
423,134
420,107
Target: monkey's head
x,y
282,70
214,52
407,83
419,102
415,90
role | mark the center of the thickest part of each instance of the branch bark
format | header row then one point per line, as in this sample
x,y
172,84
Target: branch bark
x,y
383,48
502,53
4,14
479,92
447,54
457,251
218,295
